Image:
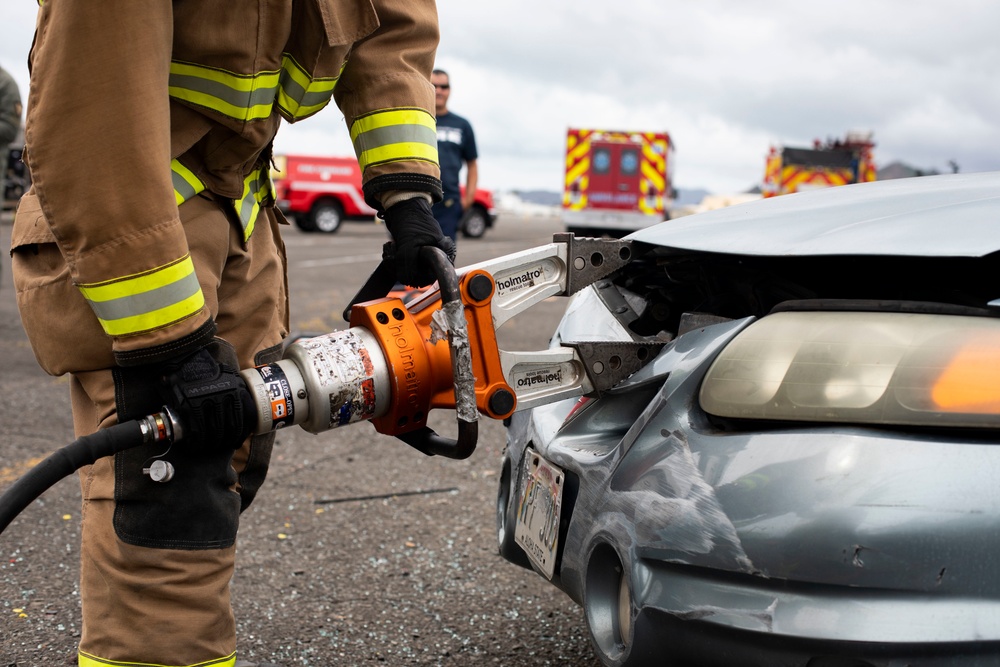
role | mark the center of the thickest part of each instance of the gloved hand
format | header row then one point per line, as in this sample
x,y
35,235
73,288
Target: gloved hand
x,y
412,227
211,399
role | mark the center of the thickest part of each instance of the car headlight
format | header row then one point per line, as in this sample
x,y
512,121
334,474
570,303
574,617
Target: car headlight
x,y
862,367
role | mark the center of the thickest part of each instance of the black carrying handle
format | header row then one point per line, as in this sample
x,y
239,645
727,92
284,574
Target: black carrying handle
x,y
378,285
425,440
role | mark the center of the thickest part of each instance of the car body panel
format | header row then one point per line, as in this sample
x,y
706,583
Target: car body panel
x,y
905,217
783,543
689,503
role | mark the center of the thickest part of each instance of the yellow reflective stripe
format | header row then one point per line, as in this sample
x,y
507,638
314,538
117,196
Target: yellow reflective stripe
x,y
247,97
146,301
396,152
299,94
87,660
580,168
256,188
186,184
391,117
393,135
239,96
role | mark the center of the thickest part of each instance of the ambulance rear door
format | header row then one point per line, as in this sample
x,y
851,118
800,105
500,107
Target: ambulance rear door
x,y
614,175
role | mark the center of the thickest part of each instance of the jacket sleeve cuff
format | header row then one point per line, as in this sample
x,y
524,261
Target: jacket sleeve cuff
x,y
374,188
178,348
391,197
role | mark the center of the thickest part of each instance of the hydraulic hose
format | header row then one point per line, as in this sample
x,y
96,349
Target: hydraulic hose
x,y
165,426
81,452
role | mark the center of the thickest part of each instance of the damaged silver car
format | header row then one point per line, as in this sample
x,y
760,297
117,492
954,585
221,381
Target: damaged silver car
x,y
808,471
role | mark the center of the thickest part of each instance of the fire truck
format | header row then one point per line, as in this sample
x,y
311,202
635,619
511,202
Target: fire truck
x,y
616,181
320,193
835,162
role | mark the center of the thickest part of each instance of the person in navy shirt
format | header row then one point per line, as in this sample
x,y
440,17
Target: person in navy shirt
x,y
456,145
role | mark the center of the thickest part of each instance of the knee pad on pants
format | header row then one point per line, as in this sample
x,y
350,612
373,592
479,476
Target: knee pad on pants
x,y
199,507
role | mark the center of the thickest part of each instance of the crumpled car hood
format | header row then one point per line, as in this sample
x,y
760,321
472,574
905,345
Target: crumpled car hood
x,y
952,215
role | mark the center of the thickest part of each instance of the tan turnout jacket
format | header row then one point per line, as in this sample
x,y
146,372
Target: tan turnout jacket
x,y
136,107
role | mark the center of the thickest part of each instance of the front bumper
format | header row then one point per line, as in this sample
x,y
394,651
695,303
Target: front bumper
x,y
697,643
757,607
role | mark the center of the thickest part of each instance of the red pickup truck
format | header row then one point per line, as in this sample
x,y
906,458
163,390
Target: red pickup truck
x,y
319,193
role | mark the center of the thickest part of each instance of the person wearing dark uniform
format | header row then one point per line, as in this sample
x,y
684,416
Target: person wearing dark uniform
x,y
456,146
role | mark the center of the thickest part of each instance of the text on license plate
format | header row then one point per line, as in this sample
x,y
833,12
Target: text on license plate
x,y
537,527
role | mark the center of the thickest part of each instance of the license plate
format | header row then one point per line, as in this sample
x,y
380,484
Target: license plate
x,y
537,527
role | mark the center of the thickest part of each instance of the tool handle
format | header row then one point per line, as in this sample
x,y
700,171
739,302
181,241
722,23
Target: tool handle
x,y
425,439
379,283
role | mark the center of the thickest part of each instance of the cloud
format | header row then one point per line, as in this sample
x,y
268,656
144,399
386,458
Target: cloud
x,y
16,32
728,79
725,79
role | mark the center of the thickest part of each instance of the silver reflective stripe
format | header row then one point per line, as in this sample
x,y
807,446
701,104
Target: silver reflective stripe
x,y
186,184
241,99
300,95
394,134
182,188
238,96
256,187
147,302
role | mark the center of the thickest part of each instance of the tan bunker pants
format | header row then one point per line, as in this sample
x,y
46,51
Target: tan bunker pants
x,y
157,559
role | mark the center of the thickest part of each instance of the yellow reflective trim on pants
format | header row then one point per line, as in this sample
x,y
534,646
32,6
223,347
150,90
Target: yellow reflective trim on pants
x,y
256,188
186,184
394,134
150,300
87,660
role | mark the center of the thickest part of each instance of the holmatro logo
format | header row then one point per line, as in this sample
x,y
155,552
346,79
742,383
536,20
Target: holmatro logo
x,y
526,279
544,378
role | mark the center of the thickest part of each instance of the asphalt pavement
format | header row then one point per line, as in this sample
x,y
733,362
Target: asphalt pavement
x,y
357,551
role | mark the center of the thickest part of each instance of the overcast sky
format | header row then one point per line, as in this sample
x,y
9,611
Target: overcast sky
x,y
725,78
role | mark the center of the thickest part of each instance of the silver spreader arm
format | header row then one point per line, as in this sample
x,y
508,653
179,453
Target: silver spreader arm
x,y
528,277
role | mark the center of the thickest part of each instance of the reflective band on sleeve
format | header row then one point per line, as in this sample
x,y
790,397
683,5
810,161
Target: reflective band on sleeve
x,y
300,95
146,301
393,135
239,96
87,660
247,97
186,184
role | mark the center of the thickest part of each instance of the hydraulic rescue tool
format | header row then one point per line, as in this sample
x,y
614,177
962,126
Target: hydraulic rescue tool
x,y
398,361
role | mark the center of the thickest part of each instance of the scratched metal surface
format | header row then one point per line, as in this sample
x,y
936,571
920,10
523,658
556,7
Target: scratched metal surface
x,y
794,544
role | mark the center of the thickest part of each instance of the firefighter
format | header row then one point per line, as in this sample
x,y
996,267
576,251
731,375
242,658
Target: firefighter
x,y
149,267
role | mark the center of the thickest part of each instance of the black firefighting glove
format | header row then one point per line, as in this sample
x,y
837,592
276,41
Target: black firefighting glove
x,y
412,227
212,401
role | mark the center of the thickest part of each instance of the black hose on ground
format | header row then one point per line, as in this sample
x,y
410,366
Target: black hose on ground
x,y
64,462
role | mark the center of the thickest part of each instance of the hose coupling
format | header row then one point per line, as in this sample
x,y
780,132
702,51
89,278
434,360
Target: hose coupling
x,y
161,427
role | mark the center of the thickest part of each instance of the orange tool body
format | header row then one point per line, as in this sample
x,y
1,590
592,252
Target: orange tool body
x,y
397,361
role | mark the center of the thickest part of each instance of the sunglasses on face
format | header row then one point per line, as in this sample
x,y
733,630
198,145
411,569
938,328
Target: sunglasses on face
x,y
442,86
